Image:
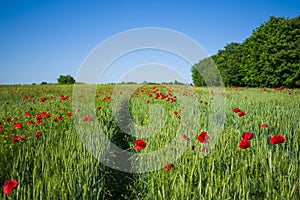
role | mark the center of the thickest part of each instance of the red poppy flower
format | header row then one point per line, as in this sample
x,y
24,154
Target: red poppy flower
x,y
58,118
38,134
39,122
140,145
179,117
27,114
69,114
276,139
44,114
204,149
247,135
18,138
206,103
62,97
175,112
9,185
43,99
1,129
22,137
90,118
236,110
244,144
169,166
87,118
18,125
264,125
203,137
242,113
15,139
38,116
30,123
185,137
8,120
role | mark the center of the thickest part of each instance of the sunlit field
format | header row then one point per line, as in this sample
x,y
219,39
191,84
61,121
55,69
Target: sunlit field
x,y
256,155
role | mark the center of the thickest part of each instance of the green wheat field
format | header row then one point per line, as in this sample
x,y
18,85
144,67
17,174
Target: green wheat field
x,y
42,151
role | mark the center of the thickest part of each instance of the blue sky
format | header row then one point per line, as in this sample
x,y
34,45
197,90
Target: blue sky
x,y
41,40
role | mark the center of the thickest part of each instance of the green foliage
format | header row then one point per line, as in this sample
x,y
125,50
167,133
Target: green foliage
x,y
65,79
206,73
268,58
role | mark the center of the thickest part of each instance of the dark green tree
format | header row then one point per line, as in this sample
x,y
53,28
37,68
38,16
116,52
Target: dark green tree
x,y
65,79
270,57
205,73
227,61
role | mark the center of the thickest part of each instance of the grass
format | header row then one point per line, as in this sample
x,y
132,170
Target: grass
x,y
58,165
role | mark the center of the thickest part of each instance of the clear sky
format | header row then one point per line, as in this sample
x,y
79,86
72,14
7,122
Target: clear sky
x,y
40,40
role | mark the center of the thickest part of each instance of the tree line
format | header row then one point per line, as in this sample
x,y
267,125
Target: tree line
x,y
270,57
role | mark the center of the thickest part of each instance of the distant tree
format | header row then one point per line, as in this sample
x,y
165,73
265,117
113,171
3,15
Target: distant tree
x,y
65,79
44,83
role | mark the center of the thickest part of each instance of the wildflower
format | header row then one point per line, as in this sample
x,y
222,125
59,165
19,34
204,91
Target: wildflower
x,y
276,139
236,110
169,166
204,149
30,123
244,144
9,186
185,137
247,135
140,144
18,125
38,134
203,137
242,113
43,99
27,114
18,138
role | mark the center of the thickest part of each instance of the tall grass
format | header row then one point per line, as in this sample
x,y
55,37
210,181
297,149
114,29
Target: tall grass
x,y
58,165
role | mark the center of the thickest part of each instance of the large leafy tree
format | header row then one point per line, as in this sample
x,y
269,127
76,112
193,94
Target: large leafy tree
x,y
65,79
206,73
270,57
